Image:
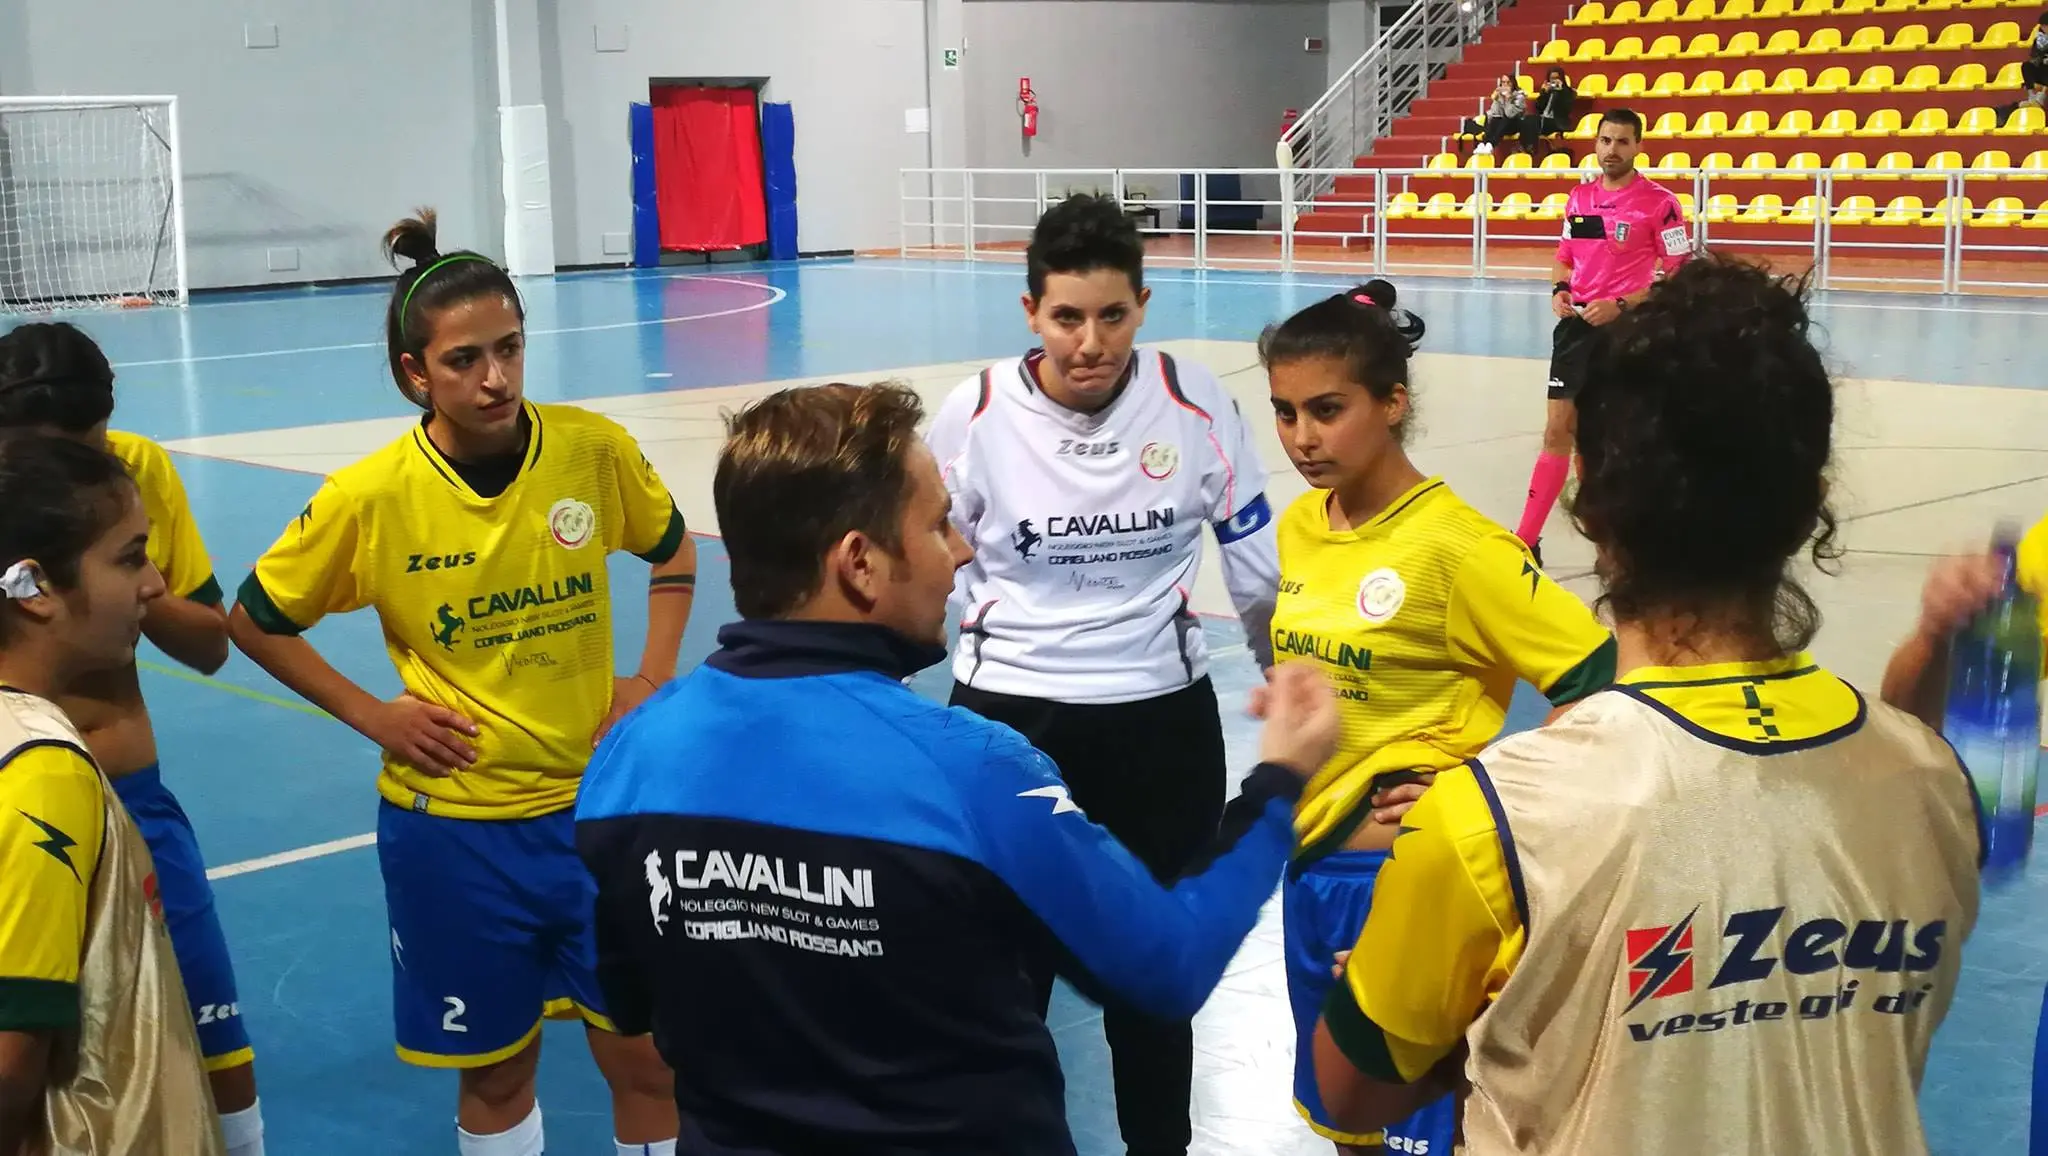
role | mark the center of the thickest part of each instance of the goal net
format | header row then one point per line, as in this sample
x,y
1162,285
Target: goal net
x,y
91,204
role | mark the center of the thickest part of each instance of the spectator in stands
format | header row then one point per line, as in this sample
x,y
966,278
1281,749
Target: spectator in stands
x,y
1553,111
1506,111
2035,71
2036,94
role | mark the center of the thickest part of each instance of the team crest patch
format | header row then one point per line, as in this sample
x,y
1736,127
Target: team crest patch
x,y
1380,595
1621,232
1159,460
571,523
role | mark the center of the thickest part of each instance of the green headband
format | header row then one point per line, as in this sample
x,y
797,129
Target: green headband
x,y
406,305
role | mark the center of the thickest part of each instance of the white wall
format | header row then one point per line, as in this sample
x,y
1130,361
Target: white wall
x,y
306,151
1354,25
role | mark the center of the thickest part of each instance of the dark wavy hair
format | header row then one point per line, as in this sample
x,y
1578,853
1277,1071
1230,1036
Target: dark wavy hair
x,y
435,281
1365,330
1080,235
1706,426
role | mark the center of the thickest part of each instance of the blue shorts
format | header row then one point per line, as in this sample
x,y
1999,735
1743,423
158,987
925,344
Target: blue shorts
x,y
491,932
1322,912
196,937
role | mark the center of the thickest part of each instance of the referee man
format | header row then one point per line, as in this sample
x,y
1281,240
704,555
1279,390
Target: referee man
x,y
1621,233
823,893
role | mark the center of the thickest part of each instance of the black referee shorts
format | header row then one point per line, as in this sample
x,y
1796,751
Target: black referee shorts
x,y
1570,345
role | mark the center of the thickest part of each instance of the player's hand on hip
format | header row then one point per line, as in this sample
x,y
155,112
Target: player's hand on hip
x,y
1300,711
425,736
1561,304
1956,590
627,695
1389,805
1600,312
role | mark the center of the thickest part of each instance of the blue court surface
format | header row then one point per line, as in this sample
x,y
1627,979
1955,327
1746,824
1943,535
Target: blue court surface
x,y
1944,427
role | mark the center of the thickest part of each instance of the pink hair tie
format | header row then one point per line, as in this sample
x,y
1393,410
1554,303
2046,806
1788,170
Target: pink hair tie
x,y
1364,299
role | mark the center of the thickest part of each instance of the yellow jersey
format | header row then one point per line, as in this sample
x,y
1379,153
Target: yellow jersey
x,y
1423,619
174,542
2033,565
496,608
52,811
1603,906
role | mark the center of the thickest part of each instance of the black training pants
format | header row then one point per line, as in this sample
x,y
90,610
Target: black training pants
x,y
1152,773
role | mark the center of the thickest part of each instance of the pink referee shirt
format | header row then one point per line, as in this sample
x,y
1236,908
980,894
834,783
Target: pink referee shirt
x,y
1614,240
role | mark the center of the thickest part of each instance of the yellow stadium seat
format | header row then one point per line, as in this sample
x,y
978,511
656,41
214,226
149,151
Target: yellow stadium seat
x,y
1718,163
1517,165
1762,210
1920,78
1783,42
1553,52
1675,162
1830,80
1898,5
1927,122
1589,165
2008,75
1911,38
1772,9
1556,163
1876,78
1630,84
1479,161
1686,207
1438,207
1991,161
1721,207
1627,48
1891,166
1591,85
1592,49
1664,48
1940,165
1806,212
1848,162
1867,39
1957,35
2039,219
2001,213
1823,40
1626,12
1697,10
1936,5
1661,12
1964,78
1668,84
1856,210
1815,8
1883,122
1513,207
1668,126
1403,206
1592,12
1527,83
1855,7
1796,123
1975,122
1708,83
1737,10
1788,82
1748,82
1804,163
1902,211
1552,208
1706,44
1754,164
2004,34
1588,127
1476,205
1755,122
1443,162
1937,218
1742,44
2025,121
1712,123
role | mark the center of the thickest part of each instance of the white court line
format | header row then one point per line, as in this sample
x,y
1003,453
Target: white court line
x,y
1015,270
776,294
299,855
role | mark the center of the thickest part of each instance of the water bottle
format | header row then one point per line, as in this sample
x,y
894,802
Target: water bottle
x,y
1994,712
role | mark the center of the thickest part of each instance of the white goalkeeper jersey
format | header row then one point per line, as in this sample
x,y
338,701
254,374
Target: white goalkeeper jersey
x,y
1087,530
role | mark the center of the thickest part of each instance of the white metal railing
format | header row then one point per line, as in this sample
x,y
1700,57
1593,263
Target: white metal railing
x,y
1469,222
1374,92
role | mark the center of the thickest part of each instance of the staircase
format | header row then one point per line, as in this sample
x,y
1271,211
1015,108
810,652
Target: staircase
x,y
1400,104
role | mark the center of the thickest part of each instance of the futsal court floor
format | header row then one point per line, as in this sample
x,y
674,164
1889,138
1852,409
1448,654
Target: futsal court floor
x,y
1943,428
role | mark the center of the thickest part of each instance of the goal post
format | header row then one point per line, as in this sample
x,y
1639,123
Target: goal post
x,y
92,203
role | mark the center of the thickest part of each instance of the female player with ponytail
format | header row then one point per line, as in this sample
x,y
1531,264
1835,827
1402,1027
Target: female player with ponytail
x,y
480,539
1423,613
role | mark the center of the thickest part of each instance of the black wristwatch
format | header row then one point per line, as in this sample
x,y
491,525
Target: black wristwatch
x,y
1557,287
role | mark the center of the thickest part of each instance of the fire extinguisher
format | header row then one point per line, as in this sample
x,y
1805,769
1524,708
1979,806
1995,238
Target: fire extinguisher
x,y
1027,107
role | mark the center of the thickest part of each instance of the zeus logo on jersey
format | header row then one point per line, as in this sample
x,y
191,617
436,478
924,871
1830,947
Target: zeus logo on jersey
x,y
1074,447
417,563
1660,964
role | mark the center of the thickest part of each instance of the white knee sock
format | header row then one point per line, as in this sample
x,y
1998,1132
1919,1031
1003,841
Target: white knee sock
x,y
524,1139
243,1130
657,1148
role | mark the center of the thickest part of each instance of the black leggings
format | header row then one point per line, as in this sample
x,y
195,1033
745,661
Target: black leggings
x,y
1152,773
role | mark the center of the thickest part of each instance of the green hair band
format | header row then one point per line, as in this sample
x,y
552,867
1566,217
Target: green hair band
x,y
406,305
